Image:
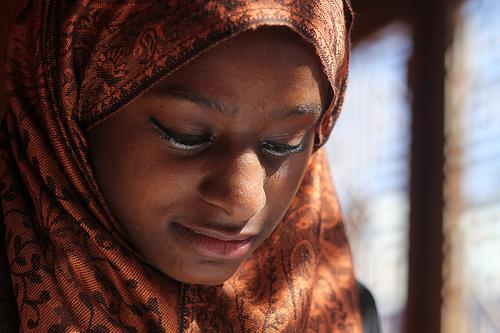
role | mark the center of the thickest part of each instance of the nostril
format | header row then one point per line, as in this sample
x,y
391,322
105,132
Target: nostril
x,y
238,205
236,187
249,204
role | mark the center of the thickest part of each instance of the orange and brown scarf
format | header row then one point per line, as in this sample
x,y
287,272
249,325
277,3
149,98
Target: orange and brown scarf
x,y
72,64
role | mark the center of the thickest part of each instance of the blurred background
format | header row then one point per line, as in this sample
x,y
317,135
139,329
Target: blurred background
x,y
416,160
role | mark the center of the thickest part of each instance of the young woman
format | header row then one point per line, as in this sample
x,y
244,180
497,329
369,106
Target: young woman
x,y
162,168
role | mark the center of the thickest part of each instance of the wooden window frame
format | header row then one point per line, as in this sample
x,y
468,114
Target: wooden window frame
x,y
432,24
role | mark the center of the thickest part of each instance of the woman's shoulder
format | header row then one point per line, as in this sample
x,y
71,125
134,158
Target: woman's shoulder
x,y
368,308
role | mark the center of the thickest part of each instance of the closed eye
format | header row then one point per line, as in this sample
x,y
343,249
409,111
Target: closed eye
x,y
180,141
280,150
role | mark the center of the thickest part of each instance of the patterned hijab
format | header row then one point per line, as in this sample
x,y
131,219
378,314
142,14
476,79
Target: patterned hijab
x,y
72,64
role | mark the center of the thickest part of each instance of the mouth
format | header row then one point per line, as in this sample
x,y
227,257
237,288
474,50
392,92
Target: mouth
x,y
213,244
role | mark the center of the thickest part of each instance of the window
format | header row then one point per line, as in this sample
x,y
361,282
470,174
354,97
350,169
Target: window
x,y
472,224
369,157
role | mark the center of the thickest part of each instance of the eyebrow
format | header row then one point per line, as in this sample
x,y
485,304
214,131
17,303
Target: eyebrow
x,y
206,102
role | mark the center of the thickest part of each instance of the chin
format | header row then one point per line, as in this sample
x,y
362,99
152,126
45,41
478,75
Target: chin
x,y
207,274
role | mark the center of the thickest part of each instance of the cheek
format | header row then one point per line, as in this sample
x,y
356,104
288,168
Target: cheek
x,y
283,185
137,178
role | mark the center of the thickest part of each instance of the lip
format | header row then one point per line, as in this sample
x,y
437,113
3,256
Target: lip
x,y
214,244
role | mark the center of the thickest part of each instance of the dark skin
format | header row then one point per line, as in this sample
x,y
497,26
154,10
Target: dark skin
x,y
200,169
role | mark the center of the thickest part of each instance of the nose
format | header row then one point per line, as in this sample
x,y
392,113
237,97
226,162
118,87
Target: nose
x,y
236,185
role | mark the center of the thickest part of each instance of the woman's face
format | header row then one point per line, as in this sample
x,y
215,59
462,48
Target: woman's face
x,y
201,169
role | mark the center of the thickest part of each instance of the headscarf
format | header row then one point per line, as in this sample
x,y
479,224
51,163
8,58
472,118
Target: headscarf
x,y
71,65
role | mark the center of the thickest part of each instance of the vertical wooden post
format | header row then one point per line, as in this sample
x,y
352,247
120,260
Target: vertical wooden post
x,y
432,24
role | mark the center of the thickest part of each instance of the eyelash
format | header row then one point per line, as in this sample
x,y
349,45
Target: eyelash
x,y
189,143
278,150
196,143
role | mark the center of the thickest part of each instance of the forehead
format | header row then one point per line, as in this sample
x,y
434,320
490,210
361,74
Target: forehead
x,y
272,41
275,60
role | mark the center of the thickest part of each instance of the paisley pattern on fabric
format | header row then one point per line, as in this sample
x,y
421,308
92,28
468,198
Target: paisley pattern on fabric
x,y
70,65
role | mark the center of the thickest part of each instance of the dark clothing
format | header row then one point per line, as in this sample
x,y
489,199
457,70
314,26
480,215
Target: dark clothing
x,y
368,308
